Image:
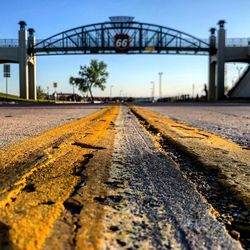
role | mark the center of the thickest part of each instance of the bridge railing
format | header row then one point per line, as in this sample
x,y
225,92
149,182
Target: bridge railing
x,y
234,42
237,42
8,43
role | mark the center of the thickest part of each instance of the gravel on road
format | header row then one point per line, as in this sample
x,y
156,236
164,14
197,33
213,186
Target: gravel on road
x,y
229,120
21,122
158,208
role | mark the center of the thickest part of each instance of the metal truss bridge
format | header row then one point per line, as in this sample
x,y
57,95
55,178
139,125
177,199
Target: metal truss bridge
x,y
121,37
126,37
118,37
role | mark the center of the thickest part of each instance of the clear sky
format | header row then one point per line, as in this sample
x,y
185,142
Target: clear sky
x,y
131,74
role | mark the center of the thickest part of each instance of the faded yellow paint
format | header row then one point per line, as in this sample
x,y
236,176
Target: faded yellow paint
x,y
229,158
38,177
91,234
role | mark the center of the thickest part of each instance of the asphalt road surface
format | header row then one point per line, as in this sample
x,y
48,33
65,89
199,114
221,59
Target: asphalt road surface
x,y
229,120
159,208
19,122
98,183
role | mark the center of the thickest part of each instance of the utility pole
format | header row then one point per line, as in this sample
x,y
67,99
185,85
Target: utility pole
x,y
6,73
160,84
153,90
55,85
73,83
6,89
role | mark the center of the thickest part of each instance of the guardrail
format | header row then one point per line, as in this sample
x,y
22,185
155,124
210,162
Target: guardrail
x,y
237,42
8,43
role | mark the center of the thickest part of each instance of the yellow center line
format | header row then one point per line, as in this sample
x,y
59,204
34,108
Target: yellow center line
x,y
213,151
31,206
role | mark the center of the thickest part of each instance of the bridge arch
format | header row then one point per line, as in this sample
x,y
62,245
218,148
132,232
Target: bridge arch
x,y
100,38
122,35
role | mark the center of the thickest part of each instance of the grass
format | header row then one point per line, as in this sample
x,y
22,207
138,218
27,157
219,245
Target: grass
x,y
18,99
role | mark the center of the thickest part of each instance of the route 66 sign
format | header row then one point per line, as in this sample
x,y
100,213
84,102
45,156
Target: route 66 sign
x,y
121,42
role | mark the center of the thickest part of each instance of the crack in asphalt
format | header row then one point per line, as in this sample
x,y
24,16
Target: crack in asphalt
x,y
226,208
161,209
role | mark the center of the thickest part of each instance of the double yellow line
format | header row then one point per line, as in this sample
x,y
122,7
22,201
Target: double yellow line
x,y
39,175
214,152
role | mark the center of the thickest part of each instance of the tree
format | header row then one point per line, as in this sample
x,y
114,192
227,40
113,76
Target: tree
x,y
206,91
40,93
94,75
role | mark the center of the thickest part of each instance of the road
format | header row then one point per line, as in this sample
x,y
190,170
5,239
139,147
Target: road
x,y
40,177
105,182
19,122
159,208
229,120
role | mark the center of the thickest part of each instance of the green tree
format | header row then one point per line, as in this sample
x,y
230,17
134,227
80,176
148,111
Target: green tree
x,y
206,91
40,93
95,75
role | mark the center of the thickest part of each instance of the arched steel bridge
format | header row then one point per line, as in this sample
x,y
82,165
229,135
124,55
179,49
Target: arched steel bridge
x,y
120,37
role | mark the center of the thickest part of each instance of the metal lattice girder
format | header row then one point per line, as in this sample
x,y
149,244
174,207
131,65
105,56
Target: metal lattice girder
x,y
99,38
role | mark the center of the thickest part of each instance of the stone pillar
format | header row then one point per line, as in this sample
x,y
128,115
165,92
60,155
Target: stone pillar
x,y
32,66
220,69
212,65
23,65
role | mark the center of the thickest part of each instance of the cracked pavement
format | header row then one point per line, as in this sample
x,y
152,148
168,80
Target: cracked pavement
x,y
160,208
101,183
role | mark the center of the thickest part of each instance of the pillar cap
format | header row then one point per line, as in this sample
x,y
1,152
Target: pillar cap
x,y
22,25
212,31
221,23
31,31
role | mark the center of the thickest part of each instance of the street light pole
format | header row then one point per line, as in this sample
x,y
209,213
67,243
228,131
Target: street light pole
x,y
6,74
6,89
55,85
160,84
74,98
153,90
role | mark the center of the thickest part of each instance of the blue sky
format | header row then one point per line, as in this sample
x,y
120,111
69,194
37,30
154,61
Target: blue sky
x,y
131,74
